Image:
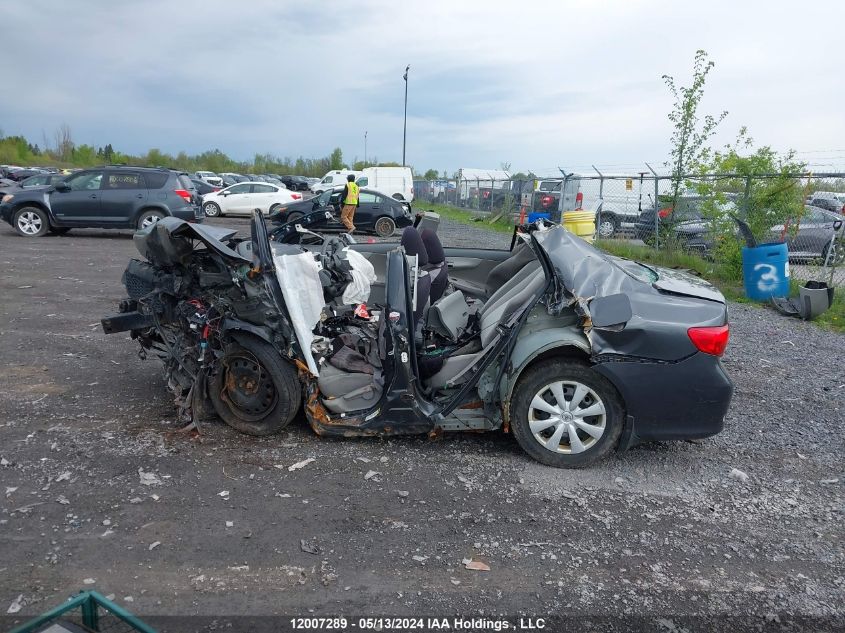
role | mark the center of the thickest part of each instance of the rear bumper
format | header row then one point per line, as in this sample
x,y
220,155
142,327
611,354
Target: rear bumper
x,y
189,214
671,401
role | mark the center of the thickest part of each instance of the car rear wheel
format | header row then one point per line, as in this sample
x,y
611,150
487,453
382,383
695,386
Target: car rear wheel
x,y
293,216
608,225
385,227
254,390
565,414
275,208
211,210
31,222
148,218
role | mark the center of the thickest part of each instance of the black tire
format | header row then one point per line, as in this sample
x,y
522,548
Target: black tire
x,y
211,209
148,218
31,222
254,390
608,227
60,230
275,208
384,226
537,381
398,196
293,216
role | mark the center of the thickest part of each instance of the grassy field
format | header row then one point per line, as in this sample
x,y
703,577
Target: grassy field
x,y
467,216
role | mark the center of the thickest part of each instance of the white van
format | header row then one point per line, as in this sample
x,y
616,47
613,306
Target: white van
x,y
396,182
333,179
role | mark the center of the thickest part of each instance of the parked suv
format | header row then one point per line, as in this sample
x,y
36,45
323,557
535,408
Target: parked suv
x,y
105,197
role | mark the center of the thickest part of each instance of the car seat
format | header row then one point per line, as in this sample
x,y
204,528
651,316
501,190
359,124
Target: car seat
x,y
438,268
413,245
499,308
505,270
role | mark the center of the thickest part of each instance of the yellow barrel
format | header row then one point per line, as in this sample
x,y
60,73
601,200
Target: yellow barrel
x,y
582,223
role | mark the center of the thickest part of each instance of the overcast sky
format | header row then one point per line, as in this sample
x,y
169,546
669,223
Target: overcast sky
x,y
538,85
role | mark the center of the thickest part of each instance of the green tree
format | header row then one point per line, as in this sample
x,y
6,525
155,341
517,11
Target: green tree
x,y
336,159
690,134
431,174
762,190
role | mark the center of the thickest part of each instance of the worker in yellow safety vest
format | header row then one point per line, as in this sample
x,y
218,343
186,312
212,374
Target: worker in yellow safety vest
x,y
349,202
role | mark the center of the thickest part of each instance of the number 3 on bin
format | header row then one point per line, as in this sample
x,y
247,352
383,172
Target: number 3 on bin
x,y
769,280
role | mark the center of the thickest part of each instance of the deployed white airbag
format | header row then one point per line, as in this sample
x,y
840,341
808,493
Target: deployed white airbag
x,y
363,276
299,278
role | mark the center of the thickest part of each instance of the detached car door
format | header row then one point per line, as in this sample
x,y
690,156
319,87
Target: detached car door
x,y
122,194
81,205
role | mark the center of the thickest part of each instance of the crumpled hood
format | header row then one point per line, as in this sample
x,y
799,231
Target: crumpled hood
x,y
169,242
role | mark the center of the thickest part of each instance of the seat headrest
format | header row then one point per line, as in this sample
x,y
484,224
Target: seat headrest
x,y
413,244
433,247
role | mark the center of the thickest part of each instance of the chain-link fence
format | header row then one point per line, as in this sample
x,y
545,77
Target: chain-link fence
x,y
710,215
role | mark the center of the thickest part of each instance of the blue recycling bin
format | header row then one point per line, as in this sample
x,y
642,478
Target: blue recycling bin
x,y
765,271
534,216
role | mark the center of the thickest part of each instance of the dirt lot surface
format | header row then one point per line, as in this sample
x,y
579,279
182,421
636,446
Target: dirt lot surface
x,y
101,493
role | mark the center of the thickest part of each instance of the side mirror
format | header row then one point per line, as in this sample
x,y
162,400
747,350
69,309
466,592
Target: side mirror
x,y
62,187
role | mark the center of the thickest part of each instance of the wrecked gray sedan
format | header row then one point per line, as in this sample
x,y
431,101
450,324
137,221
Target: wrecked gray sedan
x,y
575,352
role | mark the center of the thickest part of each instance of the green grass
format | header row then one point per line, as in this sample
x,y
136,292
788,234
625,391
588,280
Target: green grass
x,y
466,216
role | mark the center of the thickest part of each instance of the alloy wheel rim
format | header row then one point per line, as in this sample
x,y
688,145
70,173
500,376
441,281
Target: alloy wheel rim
x,y
29,223
567,417
606,228
149,221
210,210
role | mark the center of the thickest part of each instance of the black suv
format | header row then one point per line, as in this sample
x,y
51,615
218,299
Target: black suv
x,y
116,197
295,183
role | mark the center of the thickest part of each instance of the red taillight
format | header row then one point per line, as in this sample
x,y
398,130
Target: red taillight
x,y
485,194
215,188
295,196
184,194
546,201
710,340
664,212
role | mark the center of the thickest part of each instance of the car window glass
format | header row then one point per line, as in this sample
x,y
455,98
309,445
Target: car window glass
x,y
368,198
327,179
187,183
243,188
263,189
123,180
363,181
87,181
324,197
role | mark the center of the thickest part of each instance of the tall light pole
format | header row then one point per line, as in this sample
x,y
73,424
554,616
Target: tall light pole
x,y
365,148
405,124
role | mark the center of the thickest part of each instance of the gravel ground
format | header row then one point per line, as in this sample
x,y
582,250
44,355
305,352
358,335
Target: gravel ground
x,y
101,493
